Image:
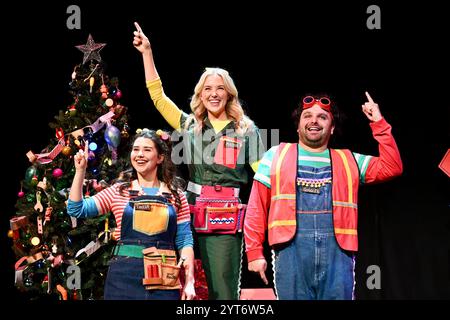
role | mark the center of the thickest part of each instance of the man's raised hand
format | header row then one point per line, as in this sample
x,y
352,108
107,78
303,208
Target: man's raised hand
x,y
371,109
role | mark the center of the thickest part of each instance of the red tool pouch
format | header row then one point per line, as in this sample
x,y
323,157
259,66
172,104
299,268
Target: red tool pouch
x,y
218,210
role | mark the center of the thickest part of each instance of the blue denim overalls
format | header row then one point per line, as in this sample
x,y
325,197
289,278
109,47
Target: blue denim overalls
x,y
140,230
313,266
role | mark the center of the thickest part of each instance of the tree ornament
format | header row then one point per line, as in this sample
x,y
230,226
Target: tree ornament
x,y
109,102
20,194
10,234
91,83
67,151
34,181
91,50
124,133
57,173
48,214
104,91
74,73
118,94
72,110
112,136
30,173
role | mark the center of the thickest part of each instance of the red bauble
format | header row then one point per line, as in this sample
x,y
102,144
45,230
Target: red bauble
x,y
57,173
21,194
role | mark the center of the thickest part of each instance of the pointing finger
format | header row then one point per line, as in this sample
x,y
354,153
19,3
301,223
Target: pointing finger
x,y
86,149
263,277
369,98
138,27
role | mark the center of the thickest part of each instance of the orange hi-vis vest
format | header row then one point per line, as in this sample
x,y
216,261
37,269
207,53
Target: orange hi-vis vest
x,y
345,183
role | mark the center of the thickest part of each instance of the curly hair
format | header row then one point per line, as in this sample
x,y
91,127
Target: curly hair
x,y
166,171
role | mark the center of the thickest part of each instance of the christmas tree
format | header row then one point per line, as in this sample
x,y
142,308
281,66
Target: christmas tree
x,y
60,257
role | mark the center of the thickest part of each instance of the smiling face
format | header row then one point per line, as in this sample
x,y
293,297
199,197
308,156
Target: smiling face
x,y
145,157
214,97
315,129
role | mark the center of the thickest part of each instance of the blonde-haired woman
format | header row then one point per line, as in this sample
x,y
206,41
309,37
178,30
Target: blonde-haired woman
x,y
220,143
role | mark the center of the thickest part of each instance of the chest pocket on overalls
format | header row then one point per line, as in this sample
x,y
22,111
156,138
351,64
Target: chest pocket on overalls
x,y
228,151
150,216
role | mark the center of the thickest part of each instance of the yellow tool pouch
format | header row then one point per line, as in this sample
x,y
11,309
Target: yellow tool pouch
x,y
160,269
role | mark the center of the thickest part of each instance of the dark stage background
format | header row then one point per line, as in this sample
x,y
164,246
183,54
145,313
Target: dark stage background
x,y
275,53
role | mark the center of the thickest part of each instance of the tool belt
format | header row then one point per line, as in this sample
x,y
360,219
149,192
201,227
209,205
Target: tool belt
x,y
160,269
217,210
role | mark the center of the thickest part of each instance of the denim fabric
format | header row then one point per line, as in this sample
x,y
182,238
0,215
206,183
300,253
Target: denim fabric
x,y
125,274
128,231
310,202
124,282
313,266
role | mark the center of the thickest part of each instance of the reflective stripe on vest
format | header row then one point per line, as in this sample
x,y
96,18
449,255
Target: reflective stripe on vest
x,y
282,213
282,222
344,194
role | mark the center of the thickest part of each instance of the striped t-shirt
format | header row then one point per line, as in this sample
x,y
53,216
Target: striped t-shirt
x,y
307,158
110,199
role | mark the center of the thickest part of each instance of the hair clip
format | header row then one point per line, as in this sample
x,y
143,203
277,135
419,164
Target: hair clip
x,y
162,134
139,130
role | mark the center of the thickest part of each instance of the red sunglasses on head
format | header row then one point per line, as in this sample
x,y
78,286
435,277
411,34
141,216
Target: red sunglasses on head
x,y
323,102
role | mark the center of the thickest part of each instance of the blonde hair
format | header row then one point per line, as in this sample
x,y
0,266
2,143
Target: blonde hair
x,y
233,108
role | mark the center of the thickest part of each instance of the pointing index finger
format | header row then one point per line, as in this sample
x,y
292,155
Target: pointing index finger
x,y
86,149
369,98
138,27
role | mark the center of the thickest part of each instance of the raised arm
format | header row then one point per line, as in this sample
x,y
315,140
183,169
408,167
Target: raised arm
x,y
80,161
142,44
388,164
169,110
76,205
371,109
